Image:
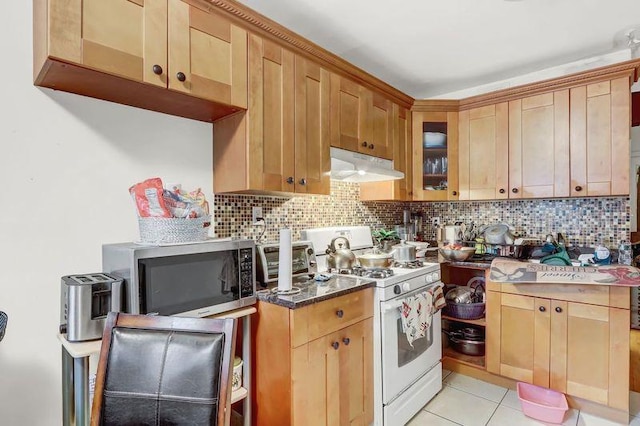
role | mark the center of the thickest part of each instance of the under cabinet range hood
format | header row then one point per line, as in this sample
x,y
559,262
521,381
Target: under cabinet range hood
x,y
350,166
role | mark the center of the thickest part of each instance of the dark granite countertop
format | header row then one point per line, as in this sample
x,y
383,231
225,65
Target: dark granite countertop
x,y
315,291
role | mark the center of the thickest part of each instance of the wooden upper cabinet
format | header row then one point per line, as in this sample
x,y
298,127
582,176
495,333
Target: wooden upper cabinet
x,y
600,133
400,189
435,165
361,120
484,152
539,146
312,109
207,55
281,144
127,51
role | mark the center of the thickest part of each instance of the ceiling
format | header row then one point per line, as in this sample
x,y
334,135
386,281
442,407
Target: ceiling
x,y
427,48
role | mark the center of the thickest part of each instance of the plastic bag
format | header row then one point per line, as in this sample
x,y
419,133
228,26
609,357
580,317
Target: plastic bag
x,y
148,196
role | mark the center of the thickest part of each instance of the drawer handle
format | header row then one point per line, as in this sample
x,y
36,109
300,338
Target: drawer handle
x,y
455,192
364,144
542,309
180,76
290,180
502,191
346,341
558,309
578,188
514,190
335,345
339,313
157,69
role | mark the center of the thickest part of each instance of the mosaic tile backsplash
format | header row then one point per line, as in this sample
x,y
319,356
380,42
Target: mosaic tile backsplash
x,y
583,221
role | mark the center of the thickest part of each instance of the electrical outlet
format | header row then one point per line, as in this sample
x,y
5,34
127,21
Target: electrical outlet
x,y
256,213
435,221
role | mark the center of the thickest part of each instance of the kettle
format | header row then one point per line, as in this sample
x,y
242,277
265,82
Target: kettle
x,y
339,254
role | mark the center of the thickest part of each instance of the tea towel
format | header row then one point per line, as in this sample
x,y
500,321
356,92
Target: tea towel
x,y
416,314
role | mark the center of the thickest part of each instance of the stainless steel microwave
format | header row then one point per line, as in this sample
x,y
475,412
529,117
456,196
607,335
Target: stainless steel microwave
x,y
194,280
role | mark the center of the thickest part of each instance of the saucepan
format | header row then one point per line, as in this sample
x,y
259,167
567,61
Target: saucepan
x,y
375,260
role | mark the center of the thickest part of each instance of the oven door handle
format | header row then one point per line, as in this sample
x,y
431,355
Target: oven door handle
x,y
391,305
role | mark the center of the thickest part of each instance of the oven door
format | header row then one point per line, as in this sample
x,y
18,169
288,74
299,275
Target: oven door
x,y
403,364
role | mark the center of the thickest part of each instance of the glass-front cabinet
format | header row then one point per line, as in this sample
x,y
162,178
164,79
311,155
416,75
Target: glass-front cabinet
x,y
435,153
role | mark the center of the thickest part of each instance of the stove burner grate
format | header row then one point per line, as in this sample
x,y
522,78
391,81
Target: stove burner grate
x,y
372,272
413,264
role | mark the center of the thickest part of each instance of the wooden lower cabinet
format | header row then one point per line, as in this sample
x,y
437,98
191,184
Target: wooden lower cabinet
x,y
573,340
314,366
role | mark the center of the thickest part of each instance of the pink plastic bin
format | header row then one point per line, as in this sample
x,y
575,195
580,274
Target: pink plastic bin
x,y
541,403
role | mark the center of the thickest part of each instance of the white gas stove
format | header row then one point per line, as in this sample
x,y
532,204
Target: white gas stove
x,y
406,376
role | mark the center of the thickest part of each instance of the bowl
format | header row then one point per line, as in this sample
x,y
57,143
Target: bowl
x,y
457,255
434,139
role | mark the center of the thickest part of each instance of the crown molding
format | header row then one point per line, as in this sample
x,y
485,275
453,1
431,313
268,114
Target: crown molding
x,y
436,105
260,24
623,69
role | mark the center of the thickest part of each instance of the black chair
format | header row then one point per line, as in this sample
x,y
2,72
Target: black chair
x,y
157,370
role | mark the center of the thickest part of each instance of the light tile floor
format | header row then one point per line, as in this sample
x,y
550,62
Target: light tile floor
x,y
470,402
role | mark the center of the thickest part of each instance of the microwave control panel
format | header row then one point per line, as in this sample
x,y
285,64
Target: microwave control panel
x,y
246,273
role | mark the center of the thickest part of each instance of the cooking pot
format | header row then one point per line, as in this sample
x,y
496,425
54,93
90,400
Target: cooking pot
x,y
498,234
339,254
468,341
375,260
403,252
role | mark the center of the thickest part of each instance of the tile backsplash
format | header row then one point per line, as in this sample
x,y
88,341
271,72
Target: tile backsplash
x,y
583,221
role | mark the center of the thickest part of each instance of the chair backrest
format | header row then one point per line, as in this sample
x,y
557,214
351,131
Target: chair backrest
x,y
164,370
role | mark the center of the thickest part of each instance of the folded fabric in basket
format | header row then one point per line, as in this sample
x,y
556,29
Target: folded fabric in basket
x,y
416,314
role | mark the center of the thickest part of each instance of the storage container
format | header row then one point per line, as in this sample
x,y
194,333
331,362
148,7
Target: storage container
x,y
541,403
161,230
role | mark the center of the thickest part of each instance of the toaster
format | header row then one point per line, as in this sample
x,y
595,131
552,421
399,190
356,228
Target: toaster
x,y
85,301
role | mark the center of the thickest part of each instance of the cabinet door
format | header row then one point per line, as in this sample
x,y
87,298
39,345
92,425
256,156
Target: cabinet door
x,y
349,111
593,336
539,146
337,371
484,152
271,116
435,165
207,55
518,330
600,133
120,37
400,189
381,128
312,161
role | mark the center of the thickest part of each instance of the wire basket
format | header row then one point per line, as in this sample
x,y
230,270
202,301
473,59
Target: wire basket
x,y
161,230
464,310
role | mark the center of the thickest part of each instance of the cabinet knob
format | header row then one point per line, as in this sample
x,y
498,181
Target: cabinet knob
x,y
180,76
346,341
370,146
558,309
339,313
335,345
157,69
290,180
455,192
364,144
303,181
514,190
542,309
578,188
502,191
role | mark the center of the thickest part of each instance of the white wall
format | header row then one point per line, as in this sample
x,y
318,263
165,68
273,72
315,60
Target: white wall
x,y
66,165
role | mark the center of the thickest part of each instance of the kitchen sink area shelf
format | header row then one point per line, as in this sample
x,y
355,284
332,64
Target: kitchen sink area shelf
x,y
456,357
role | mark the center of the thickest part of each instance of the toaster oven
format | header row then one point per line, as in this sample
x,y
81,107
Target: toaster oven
x,y
303,261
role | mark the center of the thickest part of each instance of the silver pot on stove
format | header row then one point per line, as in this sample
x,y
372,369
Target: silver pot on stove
x,y
403,252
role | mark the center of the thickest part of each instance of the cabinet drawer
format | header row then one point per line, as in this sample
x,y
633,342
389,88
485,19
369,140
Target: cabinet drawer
x,y
326,317
582,293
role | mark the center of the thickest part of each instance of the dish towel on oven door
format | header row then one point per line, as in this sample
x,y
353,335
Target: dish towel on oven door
x,y
417,312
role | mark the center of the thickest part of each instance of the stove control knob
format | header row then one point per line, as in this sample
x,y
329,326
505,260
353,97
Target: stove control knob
x,y
435,277
406,286
396,289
